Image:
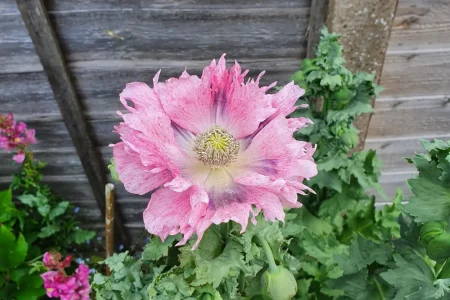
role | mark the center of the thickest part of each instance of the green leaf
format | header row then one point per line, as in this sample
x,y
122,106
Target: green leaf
x,y
214,271
12,251
331,80
304,219
48,230
431,200
358,286
58,210
323,248
412,276
387,217
81,236
328,179
362,253
29,200
156,249
112,170
29,286
116,262
7,208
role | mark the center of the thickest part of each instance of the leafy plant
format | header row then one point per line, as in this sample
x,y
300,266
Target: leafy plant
x,y
338,245
37,222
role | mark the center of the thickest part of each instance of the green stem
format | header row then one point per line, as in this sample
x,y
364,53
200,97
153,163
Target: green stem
x,y
35,259
441,268
241,282
379,289
269,255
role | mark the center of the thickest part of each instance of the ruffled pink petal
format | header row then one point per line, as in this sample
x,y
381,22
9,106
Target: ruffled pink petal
x,y
187,102
269,203
168,213
141,95
285,190
285,99
240,107
298,123
272,158
136,177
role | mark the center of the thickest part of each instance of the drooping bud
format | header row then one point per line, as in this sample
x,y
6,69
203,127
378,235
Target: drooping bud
x,y
279,285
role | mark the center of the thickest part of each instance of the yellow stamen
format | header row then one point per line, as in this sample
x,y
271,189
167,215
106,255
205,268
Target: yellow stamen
x,y
216,147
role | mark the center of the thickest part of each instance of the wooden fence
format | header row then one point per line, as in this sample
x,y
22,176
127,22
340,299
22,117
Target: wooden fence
x,y
63,75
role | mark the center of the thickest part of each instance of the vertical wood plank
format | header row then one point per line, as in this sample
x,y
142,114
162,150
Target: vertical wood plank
x,y
36,20
365,28
317,19
109,222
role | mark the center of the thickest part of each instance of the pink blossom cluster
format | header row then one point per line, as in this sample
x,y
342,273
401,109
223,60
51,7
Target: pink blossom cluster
x,y
15,136
58,284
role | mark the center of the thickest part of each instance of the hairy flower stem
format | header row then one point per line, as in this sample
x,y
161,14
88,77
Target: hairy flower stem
x,y
269,255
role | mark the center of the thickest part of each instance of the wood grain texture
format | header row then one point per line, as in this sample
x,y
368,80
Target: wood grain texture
x,y
420,26
178,34
410,122
41,32
416,74
317,18
392,152
53,6
99,83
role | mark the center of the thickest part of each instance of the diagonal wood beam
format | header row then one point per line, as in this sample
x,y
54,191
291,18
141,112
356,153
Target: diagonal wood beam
x,y
34,15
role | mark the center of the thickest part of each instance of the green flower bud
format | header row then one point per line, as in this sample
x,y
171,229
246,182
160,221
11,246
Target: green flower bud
x,y
279,285
342,98
207,296
436,240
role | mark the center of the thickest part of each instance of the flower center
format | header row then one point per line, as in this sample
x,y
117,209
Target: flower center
x,y
216,147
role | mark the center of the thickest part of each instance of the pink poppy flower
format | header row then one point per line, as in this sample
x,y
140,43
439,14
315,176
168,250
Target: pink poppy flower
x,y
214,148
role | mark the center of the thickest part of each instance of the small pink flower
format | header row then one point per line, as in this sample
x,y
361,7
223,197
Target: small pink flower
x,y
52,261
19,157
58,284
214,148
15,136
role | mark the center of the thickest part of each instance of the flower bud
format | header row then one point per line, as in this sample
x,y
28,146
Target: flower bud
x,y
207,296
436,240
279,285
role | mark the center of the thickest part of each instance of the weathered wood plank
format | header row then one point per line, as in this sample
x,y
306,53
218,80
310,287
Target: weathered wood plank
x,y
365,28
317,20
392,152
41,32
8,6
399,103
99,83
420,25
417,74
193,35
410,122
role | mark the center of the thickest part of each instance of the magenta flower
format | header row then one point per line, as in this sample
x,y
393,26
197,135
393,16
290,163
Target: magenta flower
x,y
214,148
59,285
15,136
52,261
